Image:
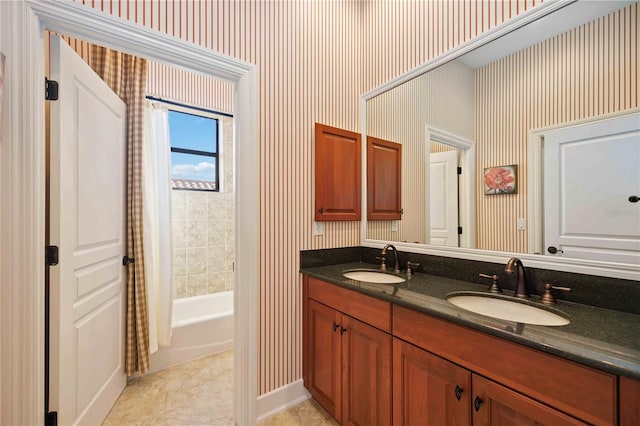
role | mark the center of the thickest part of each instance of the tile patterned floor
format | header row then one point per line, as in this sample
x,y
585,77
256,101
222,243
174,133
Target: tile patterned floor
x,y
197,393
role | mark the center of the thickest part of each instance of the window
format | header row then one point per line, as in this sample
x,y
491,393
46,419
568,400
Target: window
x,y
194,151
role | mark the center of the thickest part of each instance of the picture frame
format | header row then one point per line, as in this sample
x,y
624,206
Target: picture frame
x,y
500,180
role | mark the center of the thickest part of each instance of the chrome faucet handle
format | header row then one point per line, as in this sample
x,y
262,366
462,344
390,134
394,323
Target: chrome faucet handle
x,y
495,287
382,259
410,266
548,298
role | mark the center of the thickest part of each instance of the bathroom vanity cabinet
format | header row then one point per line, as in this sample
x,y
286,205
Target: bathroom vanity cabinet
x,y
441,372
629,398
347,355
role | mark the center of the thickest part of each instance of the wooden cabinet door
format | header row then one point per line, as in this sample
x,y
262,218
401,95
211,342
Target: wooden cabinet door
x,y
338,174
366,379
324,363
496,405
384,177
629,402
428,390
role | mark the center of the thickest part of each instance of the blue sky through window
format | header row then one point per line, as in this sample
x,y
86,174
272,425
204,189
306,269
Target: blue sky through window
x,y
192,132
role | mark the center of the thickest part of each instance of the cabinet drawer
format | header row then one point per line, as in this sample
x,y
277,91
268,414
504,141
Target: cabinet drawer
x,y
368,309
578,390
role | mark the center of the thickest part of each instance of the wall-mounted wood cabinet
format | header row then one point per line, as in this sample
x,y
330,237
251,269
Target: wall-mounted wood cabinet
x,y
338,174
384,179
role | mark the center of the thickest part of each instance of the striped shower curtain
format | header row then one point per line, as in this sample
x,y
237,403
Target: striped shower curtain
x,y
127,77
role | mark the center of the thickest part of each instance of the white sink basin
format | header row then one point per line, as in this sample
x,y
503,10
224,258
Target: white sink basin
x,y
372,276
507,309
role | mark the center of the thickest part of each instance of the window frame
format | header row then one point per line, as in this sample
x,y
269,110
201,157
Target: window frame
x,y
199,112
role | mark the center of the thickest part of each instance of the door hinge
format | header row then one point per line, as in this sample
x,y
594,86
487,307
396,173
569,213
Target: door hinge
x,y
51,255
459,230
459,170
51,418
50,90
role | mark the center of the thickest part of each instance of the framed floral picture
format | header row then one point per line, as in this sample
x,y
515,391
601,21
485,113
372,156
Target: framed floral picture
x,y
500,180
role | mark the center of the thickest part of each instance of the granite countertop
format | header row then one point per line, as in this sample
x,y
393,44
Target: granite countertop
x,y
604,339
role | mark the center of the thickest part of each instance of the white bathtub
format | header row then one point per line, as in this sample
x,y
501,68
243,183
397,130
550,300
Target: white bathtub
x,y
201,325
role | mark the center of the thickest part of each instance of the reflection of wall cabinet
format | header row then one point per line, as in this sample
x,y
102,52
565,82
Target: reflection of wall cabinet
x,y
347,363
337,174
384,173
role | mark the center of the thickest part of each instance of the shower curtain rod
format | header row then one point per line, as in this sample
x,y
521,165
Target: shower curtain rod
x,y
166,101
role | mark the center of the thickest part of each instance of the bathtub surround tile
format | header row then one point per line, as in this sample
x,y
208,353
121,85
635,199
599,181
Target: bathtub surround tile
x,y
196,285
180,287
179,230
196,260
229,278
216,207
197,205
197,233
178,199
216,259
216,282
180,262
229,209
216,232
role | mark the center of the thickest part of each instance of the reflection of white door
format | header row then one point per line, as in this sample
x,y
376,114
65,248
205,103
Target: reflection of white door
x,y
87,220
590,173
443,198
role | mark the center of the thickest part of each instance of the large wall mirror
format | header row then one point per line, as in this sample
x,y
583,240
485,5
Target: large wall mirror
x,y
472,126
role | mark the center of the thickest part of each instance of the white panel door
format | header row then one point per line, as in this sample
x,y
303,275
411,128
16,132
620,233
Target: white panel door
x,y
87,223
591,174
443,198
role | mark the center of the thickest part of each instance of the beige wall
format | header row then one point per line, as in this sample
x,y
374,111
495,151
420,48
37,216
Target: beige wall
x,y
315,58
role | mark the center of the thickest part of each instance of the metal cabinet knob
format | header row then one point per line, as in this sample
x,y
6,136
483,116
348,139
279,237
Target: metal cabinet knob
x,y
458,391
477,403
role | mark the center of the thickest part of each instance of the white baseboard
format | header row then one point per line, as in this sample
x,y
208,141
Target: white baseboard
x,y
281,399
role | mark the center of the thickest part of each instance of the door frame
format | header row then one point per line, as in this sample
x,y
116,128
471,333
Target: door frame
x,y
466,193
22,173
535,203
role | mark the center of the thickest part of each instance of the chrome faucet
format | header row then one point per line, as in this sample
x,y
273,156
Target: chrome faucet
x,y
396,266
521,280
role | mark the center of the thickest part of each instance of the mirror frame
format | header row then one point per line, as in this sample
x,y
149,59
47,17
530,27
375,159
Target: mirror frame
x,y
581,266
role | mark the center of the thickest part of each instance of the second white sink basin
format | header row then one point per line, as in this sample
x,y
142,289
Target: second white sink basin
x,y
372,276
507,309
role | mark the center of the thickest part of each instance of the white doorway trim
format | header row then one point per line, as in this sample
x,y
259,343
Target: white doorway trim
x,y
467,205
23,182
535,203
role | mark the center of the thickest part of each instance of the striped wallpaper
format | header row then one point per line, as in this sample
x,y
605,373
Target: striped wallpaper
x,y
183,86
586,72
315,58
